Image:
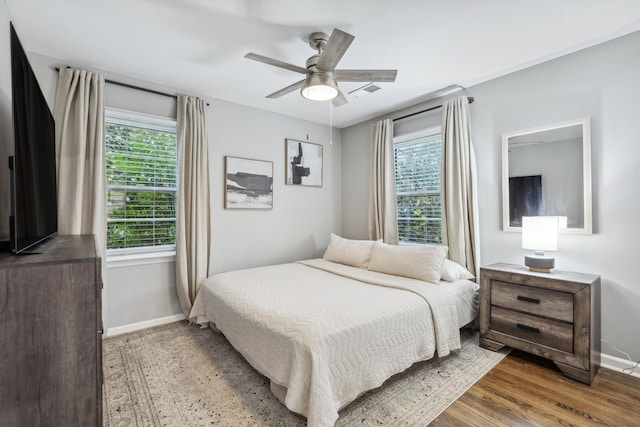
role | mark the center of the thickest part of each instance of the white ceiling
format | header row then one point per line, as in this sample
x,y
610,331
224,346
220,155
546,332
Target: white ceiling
x,y
198,47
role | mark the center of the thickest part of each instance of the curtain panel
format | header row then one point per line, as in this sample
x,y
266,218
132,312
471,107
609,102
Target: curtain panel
x,y
193,234
383,211
80,155
460,230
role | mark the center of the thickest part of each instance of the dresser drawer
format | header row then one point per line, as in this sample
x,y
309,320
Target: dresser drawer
x,y
542,302
535,329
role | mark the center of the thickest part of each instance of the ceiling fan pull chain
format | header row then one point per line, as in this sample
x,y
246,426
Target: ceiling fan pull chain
x,y
331,124
307,120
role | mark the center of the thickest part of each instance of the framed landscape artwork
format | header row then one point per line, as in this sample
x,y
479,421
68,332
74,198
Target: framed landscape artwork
x,y
248,183
303,163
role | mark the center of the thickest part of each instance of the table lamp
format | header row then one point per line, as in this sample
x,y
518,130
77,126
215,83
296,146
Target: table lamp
x,y
540,233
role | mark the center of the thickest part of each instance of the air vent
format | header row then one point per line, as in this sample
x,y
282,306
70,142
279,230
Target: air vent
x,y
364,90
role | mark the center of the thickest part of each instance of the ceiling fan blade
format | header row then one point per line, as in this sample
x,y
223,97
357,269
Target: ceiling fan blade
x,y
275,62
286,90
336,46
339,100
365,75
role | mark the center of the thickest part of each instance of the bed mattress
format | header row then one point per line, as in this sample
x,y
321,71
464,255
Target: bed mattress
x,y
324,333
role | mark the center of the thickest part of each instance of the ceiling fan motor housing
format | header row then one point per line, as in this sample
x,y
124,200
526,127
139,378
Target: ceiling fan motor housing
x,y
312,61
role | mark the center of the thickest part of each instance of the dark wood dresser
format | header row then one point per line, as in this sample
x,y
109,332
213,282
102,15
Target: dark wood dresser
x,y
51,336
555,315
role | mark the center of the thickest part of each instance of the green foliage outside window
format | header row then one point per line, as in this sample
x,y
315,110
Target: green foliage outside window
x,y
418,170
141,186
417,220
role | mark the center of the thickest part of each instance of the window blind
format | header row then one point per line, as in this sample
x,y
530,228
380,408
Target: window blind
x,y
418,174
141,183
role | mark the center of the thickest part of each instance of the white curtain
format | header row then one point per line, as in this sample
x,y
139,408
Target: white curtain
x,y
383,213
193,211
459,186
80,156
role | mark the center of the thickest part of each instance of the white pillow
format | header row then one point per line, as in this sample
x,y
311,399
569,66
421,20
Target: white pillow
x,y
452,271
416,262
350,252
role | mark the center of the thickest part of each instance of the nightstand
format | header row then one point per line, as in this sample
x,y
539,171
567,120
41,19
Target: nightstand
x,y
554,315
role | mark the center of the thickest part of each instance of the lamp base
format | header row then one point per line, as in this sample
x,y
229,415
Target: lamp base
x,y
539,263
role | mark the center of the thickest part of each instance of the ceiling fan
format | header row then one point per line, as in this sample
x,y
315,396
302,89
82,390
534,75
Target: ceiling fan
x,y
321,76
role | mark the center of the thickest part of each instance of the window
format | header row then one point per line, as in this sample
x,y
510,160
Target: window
x,y
141,182
418,170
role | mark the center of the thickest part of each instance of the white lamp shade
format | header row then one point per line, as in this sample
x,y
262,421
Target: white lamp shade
x,y
540,233
562,222
319,87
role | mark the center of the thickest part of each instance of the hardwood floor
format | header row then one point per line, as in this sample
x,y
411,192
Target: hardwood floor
x,y
524,390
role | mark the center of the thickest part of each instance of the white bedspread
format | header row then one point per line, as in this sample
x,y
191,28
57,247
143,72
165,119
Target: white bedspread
x,y
325,332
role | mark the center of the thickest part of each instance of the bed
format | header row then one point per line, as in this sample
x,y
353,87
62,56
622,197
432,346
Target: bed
x,y
325,332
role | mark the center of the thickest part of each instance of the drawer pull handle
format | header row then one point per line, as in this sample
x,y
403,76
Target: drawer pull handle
x,y
527,299
528,328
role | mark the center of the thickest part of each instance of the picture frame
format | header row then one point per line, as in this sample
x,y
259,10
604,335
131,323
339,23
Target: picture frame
x,y
303,163
248,183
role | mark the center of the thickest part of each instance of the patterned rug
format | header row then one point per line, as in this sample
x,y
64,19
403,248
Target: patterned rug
x,y
181,375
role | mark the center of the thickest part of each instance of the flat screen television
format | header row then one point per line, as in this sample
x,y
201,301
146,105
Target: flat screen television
x,y
34,212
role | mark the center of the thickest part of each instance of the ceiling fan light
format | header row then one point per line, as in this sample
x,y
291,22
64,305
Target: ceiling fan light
x,y
319,87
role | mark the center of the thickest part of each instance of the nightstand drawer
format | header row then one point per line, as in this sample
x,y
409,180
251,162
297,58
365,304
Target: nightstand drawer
x,y
551,333
542,302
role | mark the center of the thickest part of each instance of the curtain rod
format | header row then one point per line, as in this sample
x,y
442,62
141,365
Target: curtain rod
x,y
130,86
470,98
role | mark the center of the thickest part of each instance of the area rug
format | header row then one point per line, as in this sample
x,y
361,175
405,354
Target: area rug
x,y
180,375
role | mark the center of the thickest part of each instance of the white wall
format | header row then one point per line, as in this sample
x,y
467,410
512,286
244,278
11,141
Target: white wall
x,y
600,82
302,218
139,292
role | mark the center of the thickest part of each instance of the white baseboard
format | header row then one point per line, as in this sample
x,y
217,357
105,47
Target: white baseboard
x,y
143,325
618,364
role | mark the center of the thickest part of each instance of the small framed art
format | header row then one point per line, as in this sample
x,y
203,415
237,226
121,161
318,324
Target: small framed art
x,y
303,163
248,183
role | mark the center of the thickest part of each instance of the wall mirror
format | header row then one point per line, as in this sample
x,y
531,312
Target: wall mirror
x,y
546,170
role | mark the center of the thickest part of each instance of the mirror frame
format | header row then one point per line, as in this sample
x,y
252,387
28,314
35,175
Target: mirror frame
x,y
586,172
